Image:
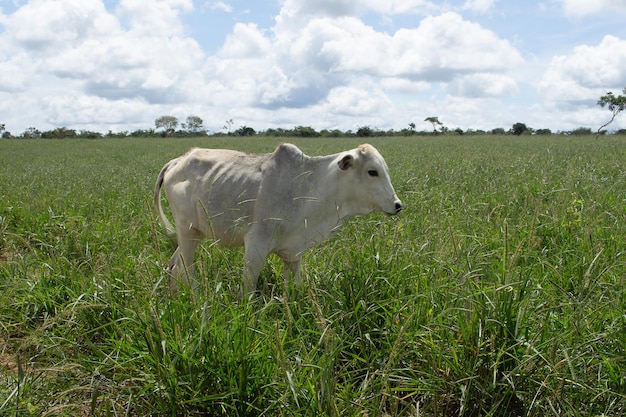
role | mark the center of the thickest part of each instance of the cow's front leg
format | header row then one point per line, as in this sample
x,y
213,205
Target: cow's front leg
x,y
256,251
292,271
291,275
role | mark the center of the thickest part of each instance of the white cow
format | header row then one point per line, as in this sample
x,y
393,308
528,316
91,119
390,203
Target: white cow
x,y
282,202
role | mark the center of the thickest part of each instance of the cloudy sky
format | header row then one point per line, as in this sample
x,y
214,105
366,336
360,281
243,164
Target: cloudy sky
x,y
331,64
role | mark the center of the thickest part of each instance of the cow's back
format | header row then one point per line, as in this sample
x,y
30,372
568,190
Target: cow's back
x,y
214,191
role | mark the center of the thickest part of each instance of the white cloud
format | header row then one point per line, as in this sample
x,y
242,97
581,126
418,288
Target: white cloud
x,y
338,45
71,54
587,73
302,10
579,8
154,17
337,65
364,100
404,86
398,7
440,47
79,110
483,85
295,14
444,46
327,8
479,6
15,73
44,26
246,41
220,5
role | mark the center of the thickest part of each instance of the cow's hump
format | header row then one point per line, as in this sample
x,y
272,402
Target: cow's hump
x,y
287,152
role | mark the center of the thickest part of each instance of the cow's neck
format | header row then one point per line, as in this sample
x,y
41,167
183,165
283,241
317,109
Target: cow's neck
x,y
333,202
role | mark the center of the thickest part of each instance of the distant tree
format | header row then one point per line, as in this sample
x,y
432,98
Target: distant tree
x,y
31,133
122,134
3,132
167,123
364,131
581,131
412,127
139,133
519,128
335,133
435,122
498,131
194,125
245,131
87,134
59,133
305,132
228,125
279,132
615,104
543,132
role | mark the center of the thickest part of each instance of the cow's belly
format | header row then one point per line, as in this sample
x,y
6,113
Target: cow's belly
x,y
227,227
298,238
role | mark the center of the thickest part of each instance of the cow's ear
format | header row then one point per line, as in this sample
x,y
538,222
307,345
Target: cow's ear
x,y
346,162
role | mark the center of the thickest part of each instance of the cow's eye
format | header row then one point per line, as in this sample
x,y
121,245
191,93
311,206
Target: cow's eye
x,y
372,173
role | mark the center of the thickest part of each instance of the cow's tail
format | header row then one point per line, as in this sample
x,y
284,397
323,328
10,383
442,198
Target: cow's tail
x,y
169,228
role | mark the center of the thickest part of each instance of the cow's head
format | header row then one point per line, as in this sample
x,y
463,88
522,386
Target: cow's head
x,y
368,186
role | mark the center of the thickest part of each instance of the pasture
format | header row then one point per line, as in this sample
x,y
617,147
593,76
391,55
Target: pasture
x,y
500,290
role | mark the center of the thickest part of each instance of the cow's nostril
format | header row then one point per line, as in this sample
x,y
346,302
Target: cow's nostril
x,y
399,207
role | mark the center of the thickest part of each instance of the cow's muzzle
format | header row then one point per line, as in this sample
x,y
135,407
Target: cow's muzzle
x,y
398,206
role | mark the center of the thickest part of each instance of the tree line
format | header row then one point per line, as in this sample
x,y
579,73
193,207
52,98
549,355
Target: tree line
x,y
173,131
169,126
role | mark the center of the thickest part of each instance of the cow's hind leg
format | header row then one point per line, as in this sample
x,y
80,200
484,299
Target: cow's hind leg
x,y
181,264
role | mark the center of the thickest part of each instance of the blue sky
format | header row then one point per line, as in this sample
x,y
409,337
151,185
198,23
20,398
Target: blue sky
x,y
331,64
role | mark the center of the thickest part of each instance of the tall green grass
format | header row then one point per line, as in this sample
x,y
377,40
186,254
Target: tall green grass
x,y
499,291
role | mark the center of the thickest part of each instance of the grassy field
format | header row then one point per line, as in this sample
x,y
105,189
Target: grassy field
x,y
499,291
